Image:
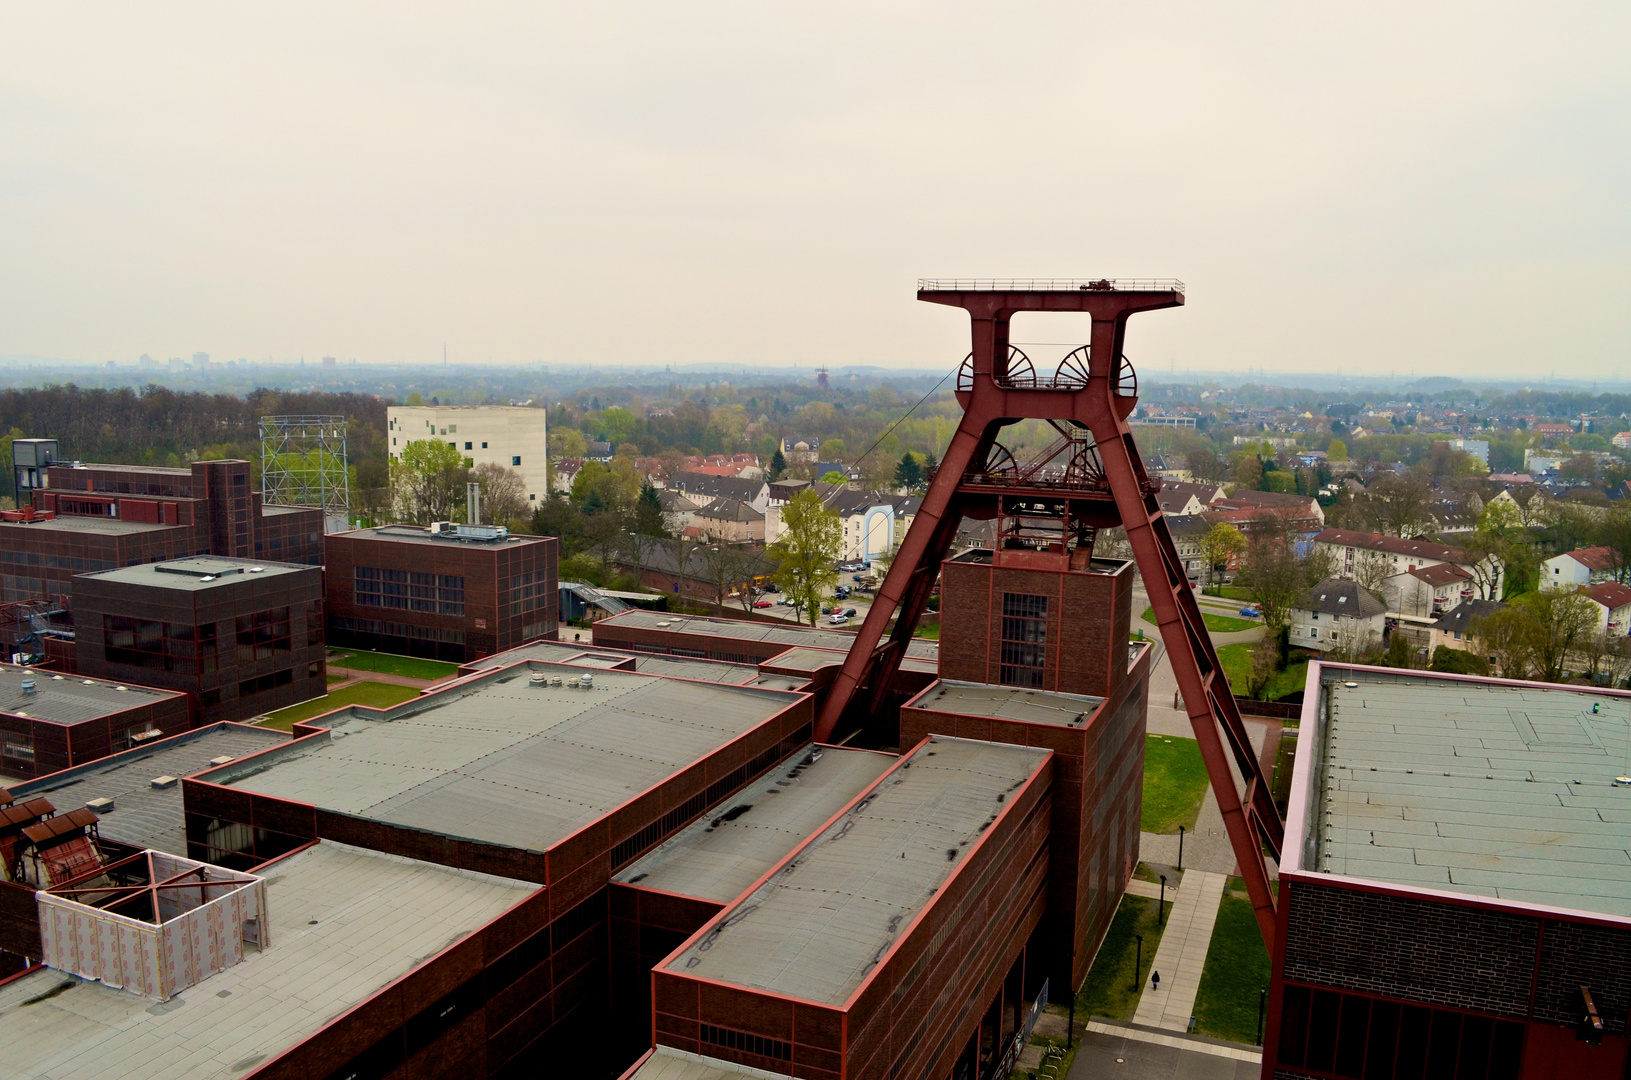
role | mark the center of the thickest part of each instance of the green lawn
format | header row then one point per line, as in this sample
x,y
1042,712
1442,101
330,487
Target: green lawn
x,y
377,695
1236,971
1218,624
932,631
1289,681
333,678
408,666
1237,665
1174,783
1228,592
1112,987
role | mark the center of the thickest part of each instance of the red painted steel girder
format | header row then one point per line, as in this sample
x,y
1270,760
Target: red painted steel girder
x,y
991,400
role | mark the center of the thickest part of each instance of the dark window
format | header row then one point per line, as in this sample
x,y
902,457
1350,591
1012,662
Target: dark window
x,y
1024,639
746,1043
515,461
262,635
1331,1034
467,446
209,698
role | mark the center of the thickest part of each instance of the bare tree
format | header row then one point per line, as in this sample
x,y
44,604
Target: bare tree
x,y
503,492
1396,505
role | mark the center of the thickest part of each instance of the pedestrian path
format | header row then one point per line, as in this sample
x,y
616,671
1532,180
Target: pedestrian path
x,y
1182,953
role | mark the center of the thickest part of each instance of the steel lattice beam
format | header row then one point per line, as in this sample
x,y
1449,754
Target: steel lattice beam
x,y
992,398
304,462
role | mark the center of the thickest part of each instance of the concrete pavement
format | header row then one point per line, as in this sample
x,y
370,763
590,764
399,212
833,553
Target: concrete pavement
x,y
1182,953
1128,1053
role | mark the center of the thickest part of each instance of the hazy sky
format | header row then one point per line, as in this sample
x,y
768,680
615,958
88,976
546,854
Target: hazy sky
x,y
1442,188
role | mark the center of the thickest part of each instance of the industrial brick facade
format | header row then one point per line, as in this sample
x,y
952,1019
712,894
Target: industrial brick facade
x,y
1098,788
52,746
1085,612
249,642
399,589
945,992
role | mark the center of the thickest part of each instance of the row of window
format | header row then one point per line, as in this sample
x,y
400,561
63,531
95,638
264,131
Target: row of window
x,y
59,562
527,592
409,590
183,647
402,630
1363,1038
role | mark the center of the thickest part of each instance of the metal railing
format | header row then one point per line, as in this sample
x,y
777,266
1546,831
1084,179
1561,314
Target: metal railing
x,y
1049,285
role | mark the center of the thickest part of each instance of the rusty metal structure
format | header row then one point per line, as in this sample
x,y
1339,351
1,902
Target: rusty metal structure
x,y
1090,478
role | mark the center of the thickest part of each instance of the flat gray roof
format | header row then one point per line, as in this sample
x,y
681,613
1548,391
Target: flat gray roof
x,y
1481,788
503,762
817,933
345,923
781,682
806,658
71,699
1009,703
779,633
681,667
731,846
88,524
667,1063
198,572
143,815
414,534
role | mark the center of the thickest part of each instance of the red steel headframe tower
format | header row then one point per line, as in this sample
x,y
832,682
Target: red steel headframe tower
x,y
1093,478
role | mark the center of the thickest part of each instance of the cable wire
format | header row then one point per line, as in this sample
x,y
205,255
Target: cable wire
x,y
903,417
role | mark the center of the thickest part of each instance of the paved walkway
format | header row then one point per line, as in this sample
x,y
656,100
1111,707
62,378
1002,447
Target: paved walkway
x,y
1182,953
1128,1053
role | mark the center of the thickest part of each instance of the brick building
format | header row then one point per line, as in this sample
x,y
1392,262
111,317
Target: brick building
x,y
909,913
1038,619
1455,896
243,637
115,515
455,593
49,721
734,640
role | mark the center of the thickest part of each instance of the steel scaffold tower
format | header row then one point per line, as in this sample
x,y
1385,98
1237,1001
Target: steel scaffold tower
x,y
1097,480
304,463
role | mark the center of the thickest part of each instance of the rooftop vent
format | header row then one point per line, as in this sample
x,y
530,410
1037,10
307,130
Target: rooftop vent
x,y
222,760
257,569
26,686
146,736
538,679
587,681
162,782
555,680
100,806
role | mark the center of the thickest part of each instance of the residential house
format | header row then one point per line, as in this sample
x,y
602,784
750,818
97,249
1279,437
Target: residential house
x,y
1187,530
782,491
1582,566
1303,505
1338,616
1613,603
873,521
566,471
1454,627
730,520
1168,468
679,511
1376,558
703,489
1428,591
1177,497
796,449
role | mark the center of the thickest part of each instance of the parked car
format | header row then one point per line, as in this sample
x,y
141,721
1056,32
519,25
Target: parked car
x,y
785,602
764,603
838,618
1251,613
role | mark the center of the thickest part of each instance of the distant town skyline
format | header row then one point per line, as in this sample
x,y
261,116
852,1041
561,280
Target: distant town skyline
x,y
1375,191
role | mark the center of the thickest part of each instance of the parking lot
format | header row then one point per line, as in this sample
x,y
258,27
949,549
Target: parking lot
x,y
861,602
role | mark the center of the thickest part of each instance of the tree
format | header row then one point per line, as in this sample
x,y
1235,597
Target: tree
x,y
648,514
1371,571
428,480
1337,451
1458,662
833,476
1273,576
1562,621
1219,544
1614,533
1248,472
725,568
503,492
832,450
909,474
1399,650
568,443
1503,637
931,465
1277,480
1204,465
810,543
616,425
1396,505
778,464
557,517
1265,662
415,398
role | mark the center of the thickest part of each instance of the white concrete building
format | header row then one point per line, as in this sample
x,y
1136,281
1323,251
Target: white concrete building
x,y
507,435
1363,556
1582,566
1613,603
1338,616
